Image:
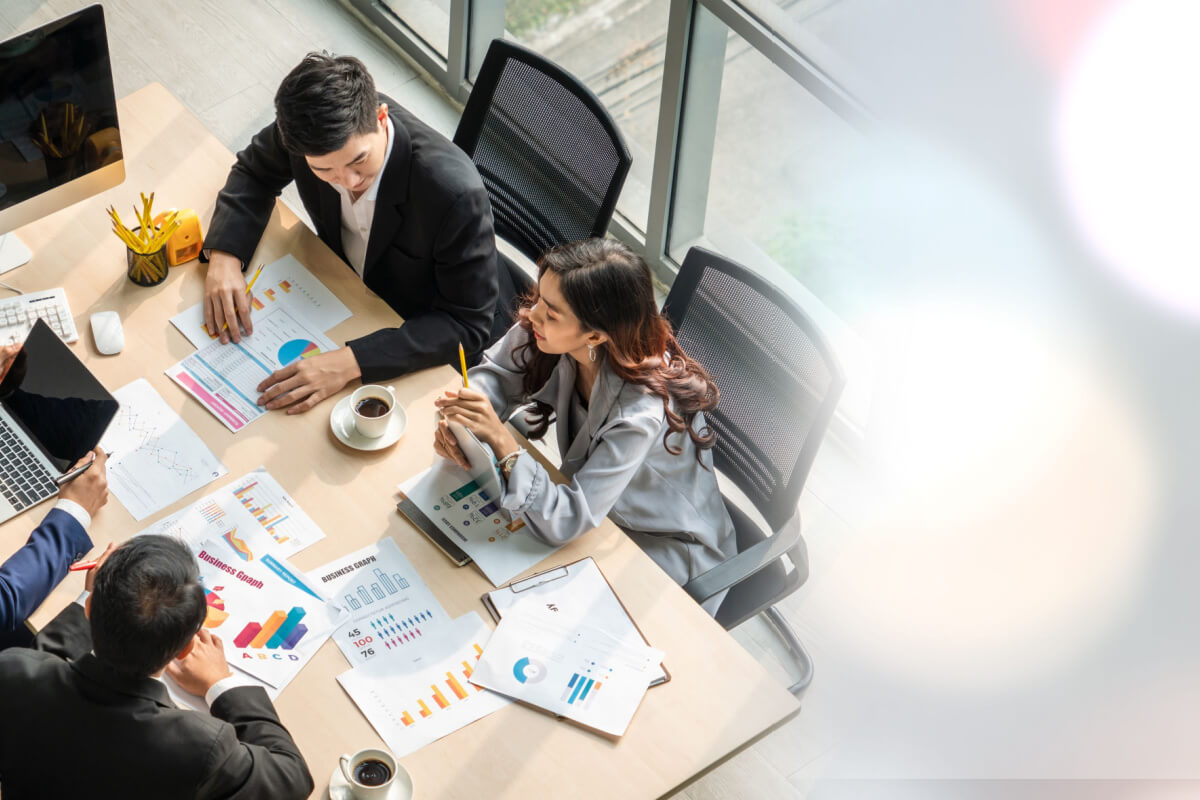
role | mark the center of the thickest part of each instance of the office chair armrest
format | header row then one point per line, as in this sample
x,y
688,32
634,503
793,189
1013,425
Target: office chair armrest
x,y
747,562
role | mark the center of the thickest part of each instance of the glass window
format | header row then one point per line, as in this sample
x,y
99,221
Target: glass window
x,y
780,197
428,19
618,54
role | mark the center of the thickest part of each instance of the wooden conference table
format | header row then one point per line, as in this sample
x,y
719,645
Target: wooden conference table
x,y
719,700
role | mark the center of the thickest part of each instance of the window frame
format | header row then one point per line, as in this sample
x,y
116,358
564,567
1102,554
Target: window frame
x,y
693,67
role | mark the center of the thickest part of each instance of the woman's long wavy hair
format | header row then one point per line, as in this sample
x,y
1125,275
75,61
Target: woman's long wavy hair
x,y
609,288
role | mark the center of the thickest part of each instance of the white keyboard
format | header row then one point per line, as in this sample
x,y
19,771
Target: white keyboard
x,y
17,315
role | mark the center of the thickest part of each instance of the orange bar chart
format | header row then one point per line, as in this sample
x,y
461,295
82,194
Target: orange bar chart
x,y
268,629
406,718
455,686
467,670
425,712
438,697
478,651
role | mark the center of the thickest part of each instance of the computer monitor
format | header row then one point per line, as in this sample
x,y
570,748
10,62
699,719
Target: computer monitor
x,y
59,137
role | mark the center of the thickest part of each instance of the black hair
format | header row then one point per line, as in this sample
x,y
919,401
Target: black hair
x,y
324,101
146,605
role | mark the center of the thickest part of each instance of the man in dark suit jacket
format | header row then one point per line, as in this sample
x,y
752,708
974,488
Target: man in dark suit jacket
x,y
83,714
402,205
32,572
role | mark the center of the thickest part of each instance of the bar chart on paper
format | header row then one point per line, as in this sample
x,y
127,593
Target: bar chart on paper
x,y
412,703
390,607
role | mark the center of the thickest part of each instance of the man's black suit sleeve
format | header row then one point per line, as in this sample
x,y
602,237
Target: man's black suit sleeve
x,y
68,635
257,756
244,205
465,264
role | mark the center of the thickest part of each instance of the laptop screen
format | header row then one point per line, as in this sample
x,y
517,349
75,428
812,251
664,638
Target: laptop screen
x,y
54,397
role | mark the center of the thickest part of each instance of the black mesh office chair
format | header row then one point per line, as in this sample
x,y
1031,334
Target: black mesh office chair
x,y
550,155
780,384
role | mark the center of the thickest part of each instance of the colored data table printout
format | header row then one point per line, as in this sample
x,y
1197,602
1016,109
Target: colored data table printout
x,y
472,517
575,671
412,699
225,377
389,607
156,458
283,284
254,517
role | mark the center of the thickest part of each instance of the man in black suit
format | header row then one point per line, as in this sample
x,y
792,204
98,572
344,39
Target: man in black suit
x,y
83,714
403,206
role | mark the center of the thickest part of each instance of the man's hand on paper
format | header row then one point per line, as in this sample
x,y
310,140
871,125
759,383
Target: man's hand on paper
x,y
306,382
225,300
474,412
202,666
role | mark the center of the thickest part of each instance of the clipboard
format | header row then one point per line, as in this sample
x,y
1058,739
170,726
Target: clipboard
x,y
599,597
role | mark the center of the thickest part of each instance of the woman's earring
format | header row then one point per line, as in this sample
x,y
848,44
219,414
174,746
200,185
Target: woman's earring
x,y
591,352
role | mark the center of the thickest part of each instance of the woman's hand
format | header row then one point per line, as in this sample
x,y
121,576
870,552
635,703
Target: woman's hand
x,y
446,446
474,412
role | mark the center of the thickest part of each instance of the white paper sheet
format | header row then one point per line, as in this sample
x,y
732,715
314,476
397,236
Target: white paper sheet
x,y
225,378
253,515
156,458
283,284
576,672
580,595
474,520
389,607
412,700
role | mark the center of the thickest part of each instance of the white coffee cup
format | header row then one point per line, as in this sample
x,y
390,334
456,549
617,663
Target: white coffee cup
x,y
373,427
397,786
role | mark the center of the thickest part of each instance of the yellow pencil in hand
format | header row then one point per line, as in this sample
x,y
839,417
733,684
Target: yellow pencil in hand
x,y
462,360
250,286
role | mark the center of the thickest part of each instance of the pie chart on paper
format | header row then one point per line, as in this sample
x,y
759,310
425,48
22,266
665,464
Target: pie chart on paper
x,y
296,349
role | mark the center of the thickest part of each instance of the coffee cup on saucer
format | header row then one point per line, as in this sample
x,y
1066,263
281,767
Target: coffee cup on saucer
x,y
372,408
374,774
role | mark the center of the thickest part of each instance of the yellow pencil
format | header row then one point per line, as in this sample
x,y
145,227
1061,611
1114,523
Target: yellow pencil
x,y
462,360
257,272
249,286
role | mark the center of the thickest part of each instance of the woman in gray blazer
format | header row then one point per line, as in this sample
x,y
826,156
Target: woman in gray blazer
x,y
592,352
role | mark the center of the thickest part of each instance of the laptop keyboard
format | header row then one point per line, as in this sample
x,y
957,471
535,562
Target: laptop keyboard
x,y
23,479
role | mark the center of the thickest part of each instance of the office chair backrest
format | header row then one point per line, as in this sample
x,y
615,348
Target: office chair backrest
x,y
779,379
550,155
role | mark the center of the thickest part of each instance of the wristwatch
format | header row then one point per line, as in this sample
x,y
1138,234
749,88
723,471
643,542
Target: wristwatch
x,y
506,464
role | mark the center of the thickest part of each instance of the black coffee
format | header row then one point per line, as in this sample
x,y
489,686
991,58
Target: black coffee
x,y
372,773
372,407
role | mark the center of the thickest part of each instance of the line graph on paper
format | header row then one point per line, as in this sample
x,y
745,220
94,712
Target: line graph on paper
x,y
156,457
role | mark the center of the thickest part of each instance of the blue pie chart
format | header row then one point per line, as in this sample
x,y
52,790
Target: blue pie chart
x,y
527,670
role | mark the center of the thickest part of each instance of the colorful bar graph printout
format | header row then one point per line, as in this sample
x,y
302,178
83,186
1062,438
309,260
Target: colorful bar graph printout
x,y
438,697
455,686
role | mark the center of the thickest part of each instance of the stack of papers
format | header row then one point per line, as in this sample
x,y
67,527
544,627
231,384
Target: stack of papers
x,y
574,671
271,621
291,310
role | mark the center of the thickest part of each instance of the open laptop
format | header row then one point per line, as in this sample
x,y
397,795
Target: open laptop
x,y
52,412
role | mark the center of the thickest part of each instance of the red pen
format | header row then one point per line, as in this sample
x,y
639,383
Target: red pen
x,y
82,565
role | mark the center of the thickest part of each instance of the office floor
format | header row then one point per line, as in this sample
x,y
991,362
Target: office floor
x,y
223,59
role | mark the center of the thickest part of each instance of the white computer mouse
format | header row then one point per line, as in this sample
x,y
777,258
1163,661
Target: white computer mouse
x,y
107,331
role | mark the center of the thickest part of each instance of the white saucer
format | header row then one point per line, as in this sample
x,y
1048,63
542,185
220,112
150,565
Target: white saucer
x,y
339,787
341,421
